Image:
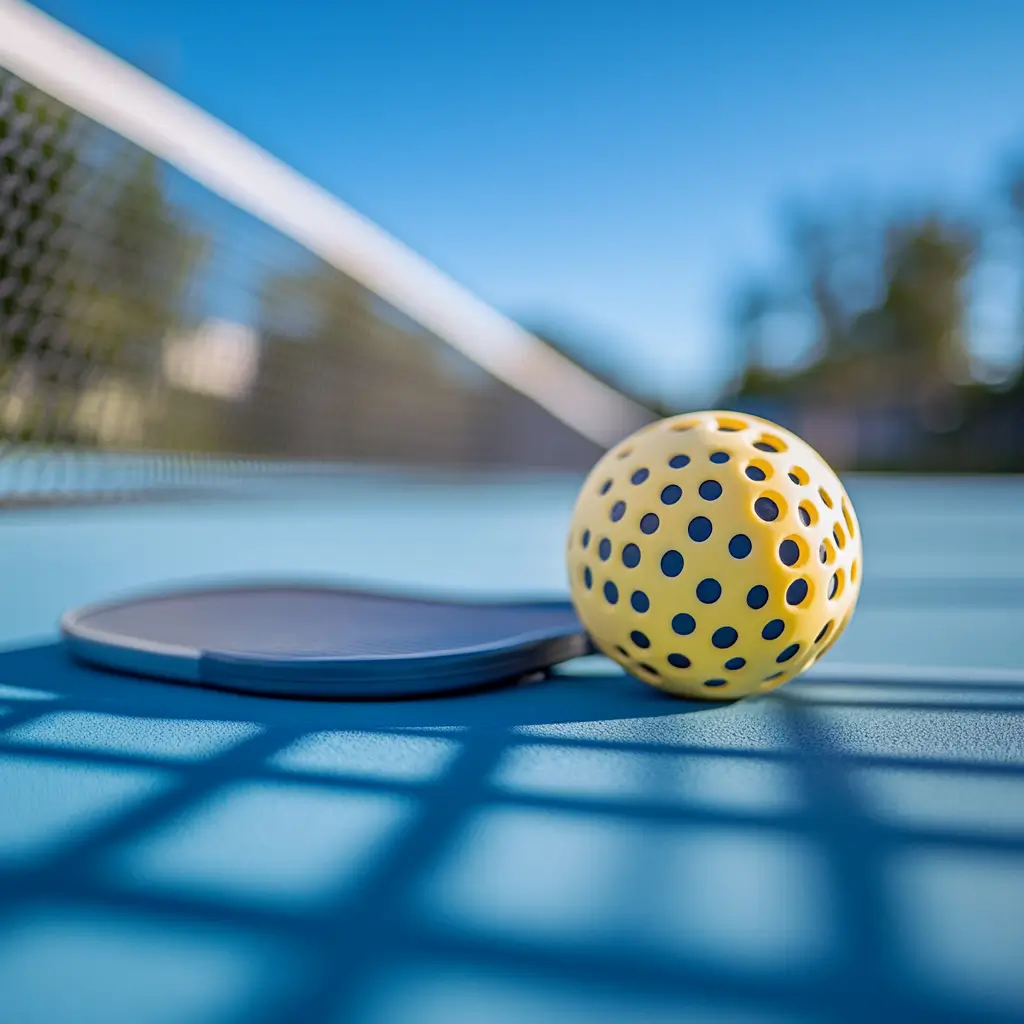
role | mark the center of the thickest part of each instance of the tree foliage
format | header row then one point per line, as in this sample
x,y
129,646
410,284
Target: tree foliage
x,y
94,270
37,160
903,333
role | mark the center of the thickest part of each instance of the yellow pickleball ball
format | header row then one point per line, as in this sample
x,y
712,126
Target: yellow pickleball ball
x,y
714,555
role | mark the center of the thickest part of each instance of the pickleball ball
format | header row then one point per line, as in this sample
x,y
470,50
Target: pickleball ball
x,y
714,555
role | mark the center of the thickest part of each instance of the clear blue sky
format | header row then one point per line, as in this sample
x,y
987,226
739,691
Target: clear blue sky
x,y
611,167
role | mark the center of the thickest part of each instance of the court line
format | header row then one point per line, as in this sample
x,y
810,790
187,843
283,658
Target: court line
x,y
852,672
848,672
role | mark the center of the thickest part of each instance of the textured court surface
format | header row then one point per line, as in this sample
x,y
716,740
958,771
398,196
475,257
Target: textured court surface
x,y
580,850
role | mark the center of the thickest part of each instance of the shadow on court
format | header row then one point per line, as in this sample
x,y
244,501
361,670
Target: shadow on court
x,y
567,698
531,848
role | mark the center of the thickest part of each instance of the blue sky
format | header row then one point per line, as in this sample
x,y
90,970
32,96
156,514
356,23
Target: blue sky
x,y
610,168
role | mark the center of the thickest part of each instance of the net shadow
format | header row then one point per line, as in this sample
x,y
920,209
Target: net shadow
x,y
437,895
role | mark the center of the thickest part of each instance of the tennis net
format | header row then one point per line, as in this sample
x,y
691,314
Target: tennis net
x,y
175,302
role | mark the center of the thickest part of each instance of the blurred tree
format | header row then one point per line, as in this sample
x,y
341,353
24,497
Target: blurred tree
x,y
1003,413
1015,189
37,161
929,268
923,314
141,256
912,335
1015,195
94,267
815,244
886,308
751,307
343,375
133,260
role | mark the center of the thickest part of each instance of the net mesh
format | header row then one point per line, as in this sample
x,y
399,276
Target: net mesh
x,y
151,333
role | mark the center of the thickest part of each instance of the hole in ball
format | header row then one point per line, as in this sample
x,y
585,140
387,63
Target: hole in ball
x,y
808,513
788,653
639,639
766,509
724,637
671,564
683,624
770,443
699,529
740,546
802,550
789,552
759,469
848,518
730,424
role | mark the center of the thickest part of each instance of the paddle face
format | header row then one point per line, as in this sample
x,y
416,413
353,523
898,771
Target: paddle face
x,y
307,641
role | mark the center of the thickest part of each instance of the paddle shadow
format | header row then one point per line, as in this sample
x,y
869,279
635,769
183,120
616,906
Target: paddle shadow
x,y
559,699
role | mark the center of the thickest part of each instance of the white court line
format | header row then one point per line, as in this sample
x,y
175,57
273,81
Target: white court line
x,y
851,672
110,91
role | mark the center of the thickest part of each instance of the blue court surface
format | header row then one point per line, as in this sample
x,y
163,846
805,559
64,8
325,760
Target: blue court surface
x,y
583,849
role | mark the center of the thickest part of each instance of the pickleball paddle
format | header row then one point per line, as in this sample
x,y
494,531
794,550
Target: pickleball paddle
x,y
324,641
